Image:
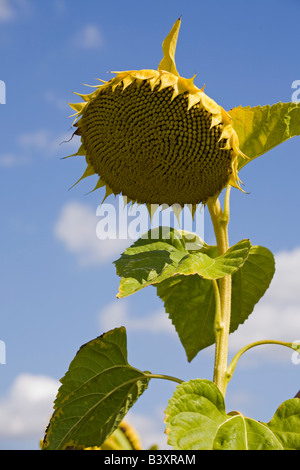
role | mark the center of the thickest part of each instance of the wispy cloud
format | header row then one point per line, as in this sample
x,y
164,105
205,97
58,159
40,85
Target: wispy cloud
x,y
6,11
41,142
13,9
10,160
60,7
59,103
117,313
45,141
90,37
26,409
38,139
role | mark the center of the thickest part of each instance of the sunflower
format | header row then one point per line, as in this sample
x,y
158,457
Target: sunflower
x,y
155,137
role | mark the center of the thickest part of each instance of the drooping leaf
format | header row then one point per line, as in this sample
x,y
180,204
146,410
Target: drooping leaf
x,y
190,302
144,269
149,261
262,128
215,268
196,420
155,257
96,393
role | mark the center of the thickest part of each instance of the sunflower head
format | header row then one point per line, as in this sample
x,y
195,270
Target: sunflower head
x,y
154,137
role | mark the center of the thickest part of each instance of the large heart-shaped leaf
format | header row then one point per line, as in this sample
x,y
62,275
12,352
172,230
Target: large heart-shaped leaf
x,y
262,128
190,303
96,393
196,420
250,283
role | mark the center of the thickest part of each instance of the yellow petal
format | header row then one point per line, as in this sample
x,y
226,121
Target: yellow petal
x,y
78,107
167,80
145,74
193,99
127,81
169,49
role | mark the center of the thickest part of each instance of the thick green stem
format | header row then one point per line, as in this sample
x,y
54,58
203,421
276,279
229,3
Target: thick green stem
x,y
218,326
220,220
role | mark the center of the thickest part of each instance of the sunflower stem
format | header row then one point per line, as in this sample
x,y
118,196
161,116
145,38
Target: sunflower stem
x,y
220,221
218,326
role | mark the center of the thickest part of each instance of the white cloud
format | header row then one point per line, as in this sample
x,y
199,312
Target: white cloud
x,y
117,313
6,11
90,37
42,142
10,160
46,142
26,409
12,9
60,7
76,228
277,315
59,103
38,139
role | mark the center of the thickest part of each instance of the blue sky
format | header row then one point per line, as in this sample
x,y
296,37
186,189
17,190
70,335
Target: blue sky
x,y
58,283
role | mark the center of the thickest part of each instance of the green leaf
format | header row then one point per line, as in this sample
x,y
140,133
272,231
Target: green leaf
x,y
250,283
189,300
190,303
155,257
262,128
215,268
285,424
196,420
166,252
96,393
